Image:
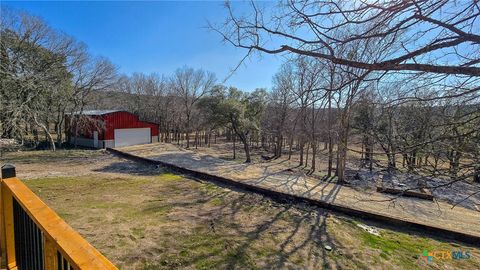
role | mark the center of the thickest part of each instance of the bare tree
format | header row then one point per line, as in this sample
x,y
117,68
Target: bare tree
x,y
418,30
281,99
89,75
190,85
35,73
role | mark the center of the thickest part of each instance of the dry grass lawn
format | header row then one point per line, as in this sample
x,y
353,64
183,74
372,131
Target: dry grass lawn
x,y
142,217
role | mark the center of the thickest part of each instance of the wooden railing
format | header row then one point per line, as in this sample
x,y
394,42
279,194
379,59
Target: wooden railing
x,y
34,237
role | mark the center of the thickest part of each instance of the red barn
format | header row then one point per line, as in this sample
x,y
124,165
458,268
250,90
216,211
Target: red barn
x,y
110,128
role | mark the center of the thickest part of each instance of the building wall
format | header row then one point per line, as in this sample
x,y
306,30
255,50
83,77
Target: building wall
x,y
89,143
119,120
106,124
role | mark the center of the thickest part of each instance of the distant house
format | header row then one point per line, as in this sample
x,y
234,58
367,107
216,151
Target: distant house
x,y
109,128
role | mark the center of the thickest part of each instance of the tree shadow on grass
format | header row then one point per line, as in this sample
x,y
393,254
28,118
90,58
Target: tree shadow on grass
x,y
132,167
306,234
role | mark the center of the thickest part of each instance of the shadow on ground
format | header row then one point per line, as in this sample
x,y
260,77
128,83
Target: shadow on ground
x,y
131,167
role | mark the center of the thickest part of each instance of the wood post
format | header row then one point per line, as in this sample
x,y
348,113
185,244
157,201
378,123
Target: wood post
x,y
50,253
8,236
7,242
8,171
3,262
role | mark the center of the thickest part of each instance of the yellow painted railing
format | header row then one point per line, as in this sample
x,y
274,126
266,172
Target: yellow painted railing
x,y
34,237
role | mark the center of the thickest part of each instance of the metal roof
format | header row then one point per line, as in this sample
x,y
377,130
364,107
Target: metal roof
x,y
98,112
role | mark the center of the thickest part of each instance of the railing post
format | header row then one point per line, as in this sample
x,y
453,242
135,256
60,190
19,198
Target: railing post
x,y
50,253
8,171
3,262
8,237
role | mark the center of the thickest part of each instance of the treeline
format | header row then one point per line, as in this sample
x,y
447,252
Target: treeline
x,y
418,120
44,75
306,113
404,75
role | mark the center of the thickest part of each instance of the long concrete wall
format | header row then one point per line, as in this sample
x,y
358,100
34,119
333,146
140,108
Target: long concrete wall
x,y
89,143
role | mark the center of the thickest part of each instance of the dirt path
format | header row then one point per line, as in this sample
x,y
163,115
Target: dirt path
x,y
438,214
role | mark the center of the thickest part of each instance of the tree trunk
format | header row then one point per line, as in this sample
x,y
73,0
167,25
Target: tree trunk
x,y
246,147
301,153
454,163
59,124
47,133
329,123
263,143
306,156
342,146
196,140
342,160
314,154
411,161
234,150
278,147
391,161
75,135
290,149
35,136
47,125
330,156
369,152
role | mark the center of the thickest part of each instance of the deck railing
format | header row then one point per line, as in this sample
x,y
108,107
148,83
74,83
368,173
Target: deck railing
x,y
34,237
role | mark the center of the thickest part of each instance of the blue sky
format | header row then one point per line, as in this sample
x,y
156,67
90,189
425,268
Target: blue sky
x,y
156,37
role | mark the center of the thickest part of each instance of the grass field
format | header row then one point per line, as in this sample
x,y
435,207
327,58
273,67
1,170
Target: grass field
x,y
142,217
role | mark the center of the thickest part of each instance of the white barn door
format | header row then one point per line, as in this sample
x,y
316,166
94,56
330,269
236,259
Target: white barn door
x,y
132,136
